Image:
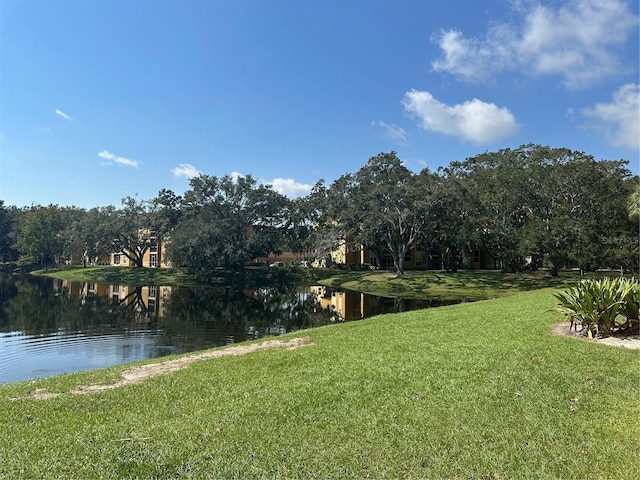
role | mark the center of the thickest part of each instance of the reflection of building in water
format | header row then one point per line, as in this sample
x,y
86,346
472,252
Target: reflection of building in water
x,y
347,305
351,305
150,300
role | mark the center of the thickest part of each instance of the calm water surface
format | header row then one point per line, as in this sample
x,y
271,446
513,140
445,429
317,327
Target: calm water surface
x,y
49,327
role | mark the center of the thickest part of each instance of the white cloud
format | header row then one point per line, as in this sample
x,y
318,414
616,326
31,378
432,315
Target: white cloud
x,y
576,41
236,175
111,158
394,132
473,120
186,170
285,186
619,120
289,187
63,115
475,60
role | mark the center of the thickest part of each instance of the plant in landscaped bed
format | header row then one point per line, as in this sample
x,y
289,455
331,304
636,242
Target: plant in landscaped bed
x,y
631,307
603,306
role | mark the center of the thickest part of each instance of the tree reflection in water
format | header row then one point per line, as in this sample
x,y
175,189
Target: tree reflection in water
x,y
121,323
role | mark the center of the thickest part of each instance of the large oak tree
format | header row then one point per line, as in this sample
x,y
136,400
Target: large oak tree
x,y
228,222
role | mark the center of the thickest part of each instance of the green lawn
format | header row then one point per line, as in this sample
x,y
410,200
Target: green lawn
x,y
438,285
137,277
471,391
416,284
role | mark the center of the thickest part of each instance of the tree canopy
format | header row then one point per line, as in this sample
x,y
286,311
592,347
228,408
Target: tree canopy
x,y
529,207
383,206
228,222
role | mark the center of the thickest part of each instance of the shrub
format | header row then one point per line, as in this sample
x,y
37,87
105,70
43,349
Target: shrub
x,y
603,306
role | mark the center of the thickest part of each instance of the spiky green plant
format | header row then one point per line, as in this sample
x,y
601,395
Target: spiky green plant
x,y
605,305
631,309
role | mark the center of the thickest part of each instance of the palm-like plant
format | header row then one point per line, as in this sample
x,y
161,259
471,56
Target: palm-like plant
x,y
604,305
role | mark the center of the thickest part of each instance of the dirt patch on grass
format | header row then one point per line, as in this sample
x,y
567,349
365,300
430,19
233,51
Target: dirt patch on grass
x,y
631,341
137,375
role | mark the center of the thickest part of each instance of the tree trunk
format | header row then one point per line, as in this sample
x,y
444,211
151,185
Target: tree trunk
x,y
399,262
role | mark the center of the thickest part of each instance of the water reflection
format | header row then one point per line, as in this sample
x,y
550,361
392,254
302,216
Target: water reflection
x,y
50,326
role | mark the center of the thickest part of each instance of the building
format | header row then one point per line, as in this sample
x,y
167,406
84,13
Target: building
x,y
153,257
417,258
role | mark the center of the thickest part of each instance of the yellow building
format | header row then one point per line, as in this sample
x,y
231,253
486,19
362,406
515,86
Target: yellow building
x,y
416,258
154,256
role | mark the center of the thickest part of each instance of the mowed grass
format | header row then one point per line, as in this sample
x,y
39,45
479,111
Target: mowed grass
x,y
415,284
137,277
471,391
439,285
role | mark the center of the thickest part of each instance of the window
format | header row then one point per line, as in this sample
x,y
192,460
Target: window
x,y
153,260
115,288
153,242
116,259
152,292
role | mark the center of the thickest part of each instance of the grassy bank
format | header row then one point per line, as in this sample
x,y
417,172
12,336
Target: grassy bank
x,y
434,285
477,390
136,277
438,285
180,277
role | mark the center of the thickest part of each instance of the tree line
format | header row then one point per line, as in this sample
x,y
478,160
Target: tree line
x,y
552,206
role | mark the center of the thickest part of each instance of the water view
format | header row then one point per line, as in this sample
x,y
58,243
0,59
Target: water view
x,y
49,327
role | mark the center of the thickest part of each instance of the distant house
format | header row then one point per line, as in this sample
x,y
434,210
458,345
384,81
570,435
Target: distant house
x,y
417,258
153,257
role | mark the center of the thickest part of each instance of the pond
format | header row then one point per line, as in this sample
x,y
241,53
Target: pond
x,y
49,327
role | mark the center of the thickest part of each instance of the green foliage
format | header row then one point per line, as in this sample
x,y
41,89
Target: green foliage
x,y
383,206
560,207
226,223
550,203
39,239
609,305
9,221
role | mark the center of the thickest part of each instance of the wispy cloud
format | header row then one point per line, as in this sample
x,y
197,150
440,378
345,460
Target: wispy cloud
x,y
576,41
63,115
111,159
619,120
186,170
394,132
473,120
290,188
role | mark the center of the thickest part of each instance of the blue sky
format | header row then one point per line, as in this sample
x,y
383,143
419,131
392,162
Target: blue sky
x,y
104,99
